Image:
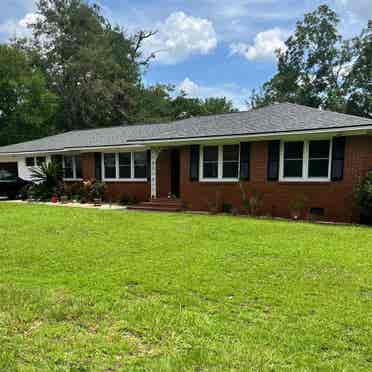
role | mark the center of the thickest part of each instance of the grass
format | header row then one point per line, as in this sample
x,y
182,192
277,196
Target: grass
x,y
85,290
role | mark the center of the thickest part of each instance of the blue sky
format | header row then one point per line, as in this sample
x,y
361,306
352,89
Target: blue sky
x,y
207,47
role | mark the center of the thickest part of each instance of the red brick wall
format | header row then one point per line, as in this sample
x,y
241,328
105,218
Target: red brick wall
x,y
115,190
335,197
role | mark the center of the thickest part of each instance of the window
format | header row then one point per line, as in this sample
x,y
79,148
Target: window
x,y
210,162
230,161
305,160
109,161
139,164
30,162
72,168
220,162
319,159
40,160
125,166
78,167
293,159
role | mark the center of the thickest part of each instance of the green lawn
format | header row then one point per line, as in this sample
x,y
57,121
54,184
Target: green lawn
x,y
109,290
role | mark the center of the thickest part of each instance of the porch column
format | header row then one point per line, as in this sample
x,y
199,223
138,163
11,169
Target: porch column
x,y
154,157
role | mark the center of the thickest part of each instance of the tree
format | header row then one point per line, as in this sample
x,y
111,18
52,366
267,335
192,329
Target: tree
x,y
158,103
93,67
360,78
310,69
183,106
27,107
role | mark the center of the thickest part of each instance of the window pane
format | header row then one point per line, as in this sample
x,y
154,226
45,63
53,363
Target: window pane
x,y
140,165
293,159
40,160
231,153
79,169
293,150
125,165
110,165
210,153
210,162
68,167
319,149
30,162
292,168
318,168
231,169
210,170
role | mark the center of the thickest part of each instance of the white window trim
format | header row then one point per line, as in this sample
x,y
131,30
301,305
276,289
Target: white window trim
x,y
74,178
305,163
117,179
35,161
220,165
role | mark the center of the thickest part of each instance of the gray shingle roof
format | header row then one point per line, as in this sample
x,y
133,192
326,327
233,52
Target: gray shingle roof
x,y
276,118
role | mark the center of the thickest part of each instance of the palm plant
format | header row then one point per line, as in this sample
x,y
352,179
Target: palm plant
x,y
48,180
49,174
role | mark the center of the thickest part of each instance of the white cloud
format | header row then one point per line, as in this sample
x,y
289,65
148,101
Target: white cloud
x,y
29,20
181,36
264,47
231,91
12,28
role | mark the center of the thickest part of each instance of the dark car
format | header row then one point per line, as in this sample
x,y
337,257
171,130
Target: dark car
x,y
10,184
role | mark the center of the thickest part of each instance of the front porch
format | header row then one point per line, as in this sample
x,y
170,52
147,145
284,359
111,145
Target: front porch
x,y
165,181
165,173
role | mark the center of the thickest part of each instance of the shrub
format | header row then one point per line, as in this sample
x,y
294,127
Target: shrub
x,y
363,193
227,208
97,190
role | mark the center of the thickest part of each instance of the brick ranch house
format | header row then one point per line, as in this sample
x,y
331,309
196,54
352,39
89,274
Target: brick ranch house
x,y
283,152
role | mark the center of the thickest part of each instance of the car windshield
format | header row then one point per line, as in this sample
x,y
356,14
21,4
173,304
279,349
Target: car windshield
x,y
6,175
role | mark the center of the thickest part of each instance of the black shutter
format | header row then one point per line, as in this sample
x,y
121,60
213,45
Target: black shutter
x,y
273,161
194,162
245,156
338,158
98,166
148,164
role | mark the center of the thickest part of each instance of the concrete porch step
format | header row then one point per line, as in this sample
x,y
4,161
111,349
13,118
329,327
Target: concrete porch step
x,y
159,204
153,208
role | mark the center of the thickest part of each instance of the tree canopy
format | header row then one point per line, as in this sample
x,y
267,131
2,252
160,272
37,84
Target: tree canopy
x,y
318,68
78,71
27,106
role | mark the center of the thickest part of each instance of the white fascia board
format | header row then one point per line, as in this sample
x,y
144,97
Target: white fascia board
x,y
134,147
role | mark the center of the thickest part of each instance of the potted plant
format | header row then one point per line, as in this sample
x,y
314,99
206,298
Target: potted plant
x,y
97,192
363,198
297,207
